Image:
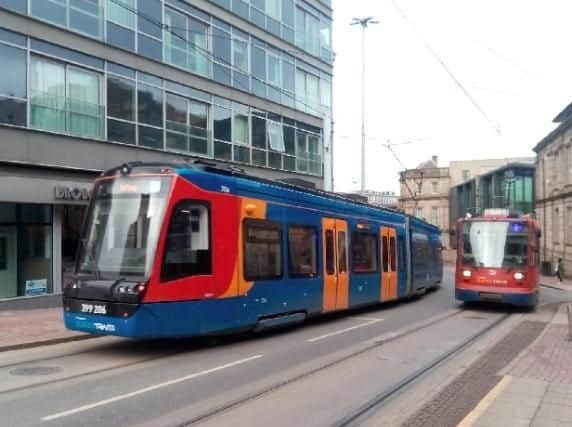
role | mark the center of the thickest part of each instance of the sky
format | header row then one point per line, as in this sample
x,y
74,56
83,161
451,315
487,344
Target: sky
x,y
512,57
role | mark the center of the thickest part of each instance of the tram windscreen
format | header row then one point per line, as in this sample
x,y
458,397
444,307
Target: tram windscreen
x,y
495,244
122,227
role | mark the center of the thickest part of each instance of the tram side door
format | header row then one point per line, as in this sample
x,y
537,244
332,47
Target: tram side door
x,y
335,264
388,263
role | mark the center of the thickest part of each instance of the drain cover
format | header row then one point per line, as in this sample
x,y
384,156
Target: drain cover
x,y
33,371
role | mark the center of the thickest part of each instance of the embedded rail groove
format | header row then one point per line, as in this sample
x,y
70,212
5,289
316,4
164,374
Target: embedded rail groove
x,y
383,397
274,387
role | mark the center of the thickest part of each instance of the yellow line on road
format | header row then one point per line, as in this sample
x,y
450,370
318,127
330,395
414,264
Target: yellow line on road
x,y
485,402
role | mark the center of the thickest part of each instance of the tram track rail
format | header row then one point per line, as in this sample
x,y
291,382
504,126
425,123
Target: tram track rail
x,y
385,339
378,401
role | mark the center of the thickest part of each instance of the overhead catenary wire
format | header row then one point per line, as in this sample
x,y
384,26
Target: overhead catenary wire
x,y
446,68
215,58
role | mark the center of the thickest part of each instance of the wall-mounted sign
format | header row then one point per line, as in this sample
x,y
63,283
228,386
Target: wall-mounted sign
x,y
76,194
36,287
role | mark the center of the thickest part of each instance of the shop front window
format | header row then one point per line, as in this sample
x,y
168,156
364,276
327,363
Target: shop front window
x,y
25,250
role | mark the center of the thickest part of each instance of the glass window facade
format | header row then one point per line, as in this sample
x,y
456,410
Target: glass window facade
x,y
76,94
65,98
13,86
179,34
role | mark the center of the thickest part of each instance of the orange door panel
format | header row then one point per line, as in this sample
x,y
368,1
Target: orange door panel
x,y
336,276
392,263
388,263
329,264
342,296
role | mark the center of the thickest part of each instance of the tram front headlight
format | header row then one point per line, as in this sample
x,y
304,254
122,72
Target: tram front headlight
x,y
518,276
467,273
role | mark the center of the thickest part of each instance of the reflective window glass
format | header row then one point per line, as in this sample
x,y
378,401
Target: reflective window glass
x,y
16,5
121,98
288,76
240,130
259,158
221,45
222,150
176,113
258,62
121,12
274,69
240,54
273,9
86,16
12,111
47,95
222,126
241,154
150,47
118,131
150,105
240,7
50,10
85,111
258,132
289,139
150,9
120,36
13,83
288,12
150,137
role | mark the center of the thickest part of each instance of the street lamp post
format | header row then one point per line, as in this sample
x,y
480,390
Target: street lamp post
x,y
363,22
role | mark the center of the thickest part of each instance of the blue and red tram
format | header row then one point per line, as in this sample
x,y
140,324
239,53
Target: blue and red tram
x,y
181,250
497,258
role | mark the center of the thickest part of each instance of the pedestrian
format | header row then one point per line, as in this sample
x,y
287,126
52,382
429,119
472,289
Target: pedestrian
x,y
558,270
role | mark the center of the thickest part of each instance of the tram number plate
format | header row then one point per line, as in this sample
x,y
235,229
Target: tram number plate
x,y
93,308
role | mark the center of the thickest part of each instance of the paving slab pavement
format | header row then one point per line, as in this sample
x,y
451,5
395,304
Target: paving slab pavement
x,y
536,388
29,328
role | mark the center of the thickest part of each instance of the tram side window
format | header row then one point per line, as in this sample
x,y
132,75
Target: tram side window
x,y
330,262
342,255
303,251
385,254
188,249
364,253
393,253
262,250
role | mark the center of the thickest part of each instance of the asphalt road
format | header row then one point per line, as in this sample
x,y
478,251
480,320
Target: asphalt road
x,y
111,381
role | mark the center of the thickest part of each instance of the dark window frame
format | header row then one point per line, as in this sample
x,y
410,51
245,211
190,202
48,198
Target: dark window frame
x,y
274,225
312,275
206,204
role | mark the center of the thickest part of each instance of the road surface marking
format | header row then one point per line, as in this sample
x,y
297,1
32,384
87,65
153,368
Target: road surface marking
x,y
151,388
366,318
341,331
485,402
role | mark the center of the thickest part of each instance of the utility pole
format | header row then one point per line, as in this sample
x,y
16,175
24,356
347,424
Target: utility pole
x,y
363,22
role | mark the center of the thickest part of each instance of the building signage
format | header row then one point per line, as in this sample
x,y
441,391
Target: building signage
x,y
76,194
36,287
